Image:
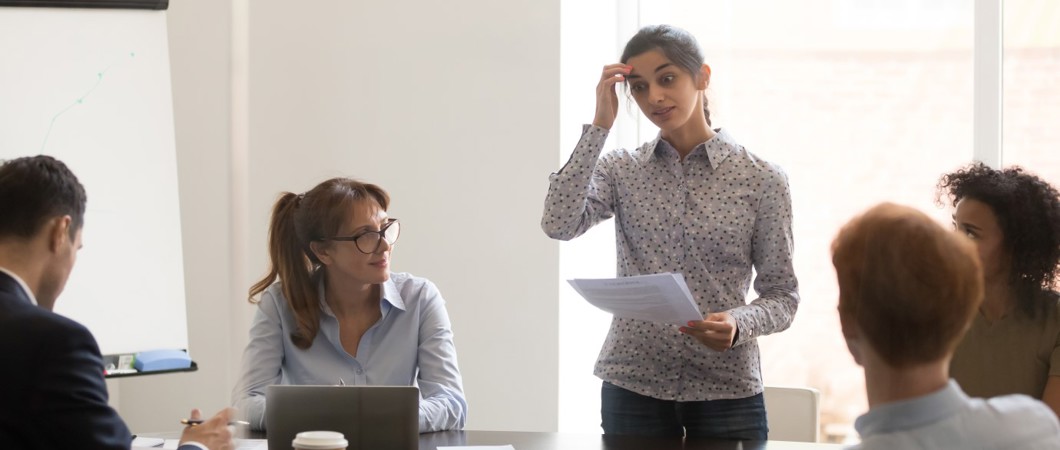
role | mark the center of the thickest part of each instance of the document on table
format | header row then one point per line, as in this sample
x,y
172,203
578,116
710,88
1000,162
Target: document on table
x,y
241,444
662,297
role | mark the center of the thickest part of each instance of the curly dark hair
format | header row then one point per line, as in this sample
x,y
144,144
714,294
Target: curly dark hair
x,y
1028,211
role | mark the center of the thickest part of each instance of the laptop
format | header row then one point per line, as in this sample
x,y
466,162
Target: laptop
x,y
370,417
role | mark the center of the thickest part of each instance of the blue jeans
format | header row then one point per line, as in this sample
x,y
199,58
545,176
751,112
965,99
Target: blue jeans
x,y
629,413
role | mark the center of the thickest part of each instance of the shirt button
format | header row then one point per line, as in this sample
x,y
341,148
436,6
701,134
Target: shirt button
x,y
360,371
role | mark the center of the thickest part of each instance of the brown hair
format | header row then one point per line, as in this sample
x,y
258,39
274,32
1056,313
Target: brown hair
x,y
298,220
911,286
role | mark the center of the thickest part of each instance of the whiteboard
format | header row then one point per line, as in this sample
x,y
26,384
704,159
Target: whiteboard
x,y
92,88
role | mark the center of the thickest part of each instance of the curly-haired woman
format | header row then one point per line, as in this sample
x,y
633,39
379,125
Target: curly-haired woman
x,y
1013,345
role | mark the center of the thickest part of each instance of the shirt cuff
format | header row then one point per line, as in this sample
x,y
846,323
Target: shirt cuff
x,y
744,330
192,445
595,129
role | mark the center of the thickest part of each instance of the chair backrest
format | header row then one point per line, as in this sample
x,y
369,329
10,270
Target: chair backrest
x,y
793,413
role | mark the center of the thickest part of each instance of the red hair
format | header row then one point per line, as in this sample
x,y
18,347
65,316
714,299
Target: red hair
x,y
911,286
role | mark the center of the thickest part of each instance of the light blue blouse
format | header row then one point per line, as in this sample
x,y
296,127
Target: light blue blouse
x,y
949,419
411,344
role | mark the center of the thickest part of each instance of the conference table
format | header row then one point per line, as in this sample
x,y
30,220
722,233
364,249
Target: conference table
x,y
573,441
524,440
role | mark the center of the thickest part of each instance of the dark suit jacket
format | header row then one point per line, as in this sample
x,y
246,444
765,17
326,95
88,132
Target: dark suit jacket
x,y
52,394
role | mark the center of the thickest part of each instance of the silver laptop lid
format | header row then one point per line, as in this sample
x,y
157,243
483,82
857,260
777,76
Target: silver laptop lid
x,y
370,417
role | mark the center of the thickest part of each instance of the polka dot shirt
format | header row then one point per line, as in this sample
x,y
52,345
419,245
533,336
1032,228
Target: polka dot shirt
x,y
713,218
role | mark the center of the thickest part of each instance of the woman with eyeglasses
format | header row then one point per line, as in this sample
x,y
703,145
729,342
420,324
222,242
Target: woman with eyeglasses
x,y
331,312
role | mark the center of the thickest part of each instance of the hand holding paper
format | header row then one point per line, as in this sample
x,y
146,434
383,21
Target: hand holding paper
x,y
660,297
717,331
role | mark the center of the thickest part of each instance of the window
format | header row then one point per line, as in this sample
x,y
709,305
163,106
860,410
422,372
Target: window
x,y
1031,106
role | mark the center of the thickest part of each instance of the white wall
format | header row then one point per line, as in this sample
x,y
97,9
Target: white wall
x,y
199,37
451,106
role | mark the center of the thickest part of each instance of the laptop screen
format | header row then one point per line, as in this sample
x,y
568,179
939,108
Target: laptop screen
x,y
370,417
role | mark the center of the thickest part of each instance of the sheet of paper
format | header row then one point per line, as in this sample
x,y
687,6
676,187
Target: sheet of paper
x,y
241,444
251,444
479,447
147,442
662,297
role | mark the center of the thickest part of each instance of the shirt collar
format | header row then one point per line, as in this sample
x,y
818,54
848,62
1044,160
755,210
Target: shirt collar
x,y
913,413
391,294
21,282
716,149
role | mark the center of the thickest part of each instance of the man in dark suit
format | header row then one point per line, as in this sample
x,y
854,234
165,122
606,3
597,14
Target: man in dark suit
x,y
51,389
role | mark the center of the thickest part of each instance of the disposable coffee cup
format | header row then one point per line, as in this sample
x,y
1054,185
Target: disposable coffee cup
x,y
319,440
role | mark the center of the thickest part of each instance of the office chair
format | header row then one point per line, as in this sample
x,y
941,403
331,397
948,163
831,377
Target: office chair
x,y
793,413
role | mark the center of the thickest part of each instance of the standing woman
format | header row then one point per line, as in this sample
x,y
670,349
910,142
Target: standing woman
x,y
337,315
1013,345
692,201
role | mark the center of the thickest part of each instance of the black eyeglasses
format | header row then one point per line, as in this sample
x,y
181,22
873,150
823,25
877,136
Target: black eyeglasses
x,y
370,241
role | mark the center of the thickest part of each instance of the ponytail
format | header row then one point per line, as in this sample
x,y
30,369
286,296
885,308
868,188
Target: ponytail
x,y
289,258
706,111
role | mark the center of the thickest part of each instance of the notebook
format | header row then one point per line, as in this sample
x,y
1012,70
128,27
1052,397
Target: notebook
x,y
370,417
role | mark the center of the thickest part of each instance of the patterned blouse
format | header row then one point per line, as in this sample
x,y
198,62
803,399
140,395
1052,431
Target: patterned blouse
x,y
711,217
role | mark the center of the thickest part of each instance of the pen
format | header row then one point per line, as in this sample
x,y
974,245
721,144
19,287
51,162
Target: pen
x,y
193,422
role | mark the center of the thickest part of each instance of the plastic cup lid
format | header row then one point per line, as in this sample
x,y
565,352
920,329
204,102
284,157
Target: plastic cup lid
x,y
319,440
